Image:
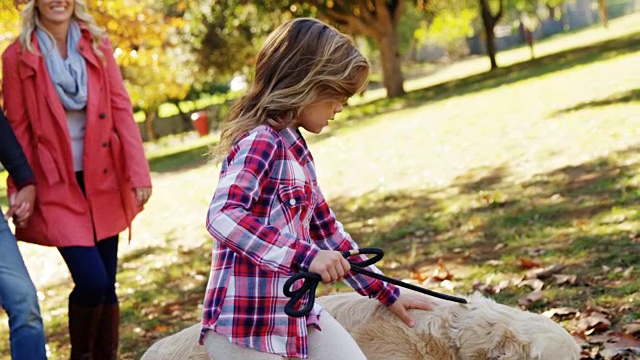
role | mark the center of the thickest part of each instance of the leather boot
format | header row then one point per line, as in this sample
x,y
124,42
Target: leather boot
x,y
83,323
106,346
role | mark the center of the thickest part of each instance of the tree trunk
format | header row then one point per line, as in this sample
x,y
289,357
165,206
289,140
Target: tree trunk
x,y
530,41
150,116
392,77
604,14
186,120
490,39
489,21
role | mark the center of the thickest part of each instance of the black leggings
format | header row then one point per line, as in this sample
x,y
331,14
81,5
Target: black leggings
x,y
93,269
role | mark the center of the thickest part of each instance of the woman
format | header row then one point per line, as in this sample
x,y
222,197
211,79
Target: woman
x,y
268,216
72,115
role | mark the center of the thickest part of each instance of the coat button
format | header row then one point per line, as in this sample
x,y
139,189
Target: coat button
x,y
102,115
105,144
292,202
104,171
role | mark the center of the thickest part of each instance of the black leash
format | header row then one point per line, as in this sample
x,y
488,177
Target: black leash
x,y
311,281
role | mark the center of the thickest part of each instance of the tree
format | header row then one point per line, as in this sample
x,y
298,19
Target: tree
x,y
531,14
235,28
377,19
603,13
8,28
226,35
489,21
149,47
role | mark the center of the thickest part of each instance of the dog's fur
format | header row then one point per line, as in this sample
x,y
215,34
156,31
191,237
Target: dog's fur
x,y
480,330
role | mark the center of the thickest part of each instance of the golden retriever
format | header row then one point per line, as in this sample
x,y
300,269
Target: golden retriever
x,y
479,330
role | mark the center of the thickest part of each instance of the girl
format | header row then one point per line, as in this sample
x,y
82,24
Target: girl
x,y
268,215
72,115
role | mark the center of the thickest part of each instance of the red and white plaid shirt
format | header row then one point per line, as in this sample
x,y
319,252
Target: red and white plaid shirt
x,y
269,220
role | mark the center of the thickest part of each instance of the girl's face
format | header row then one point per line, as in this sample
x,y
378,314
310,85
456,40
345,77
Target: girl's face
x,y
316,116
55,12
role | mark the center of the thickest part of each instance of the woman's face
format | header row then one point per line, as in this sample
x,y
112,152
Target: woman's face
x,y
55,12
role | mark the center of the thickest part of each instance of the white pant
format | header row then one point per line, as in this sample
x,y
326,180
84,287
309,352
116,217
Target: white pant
x,y
332,343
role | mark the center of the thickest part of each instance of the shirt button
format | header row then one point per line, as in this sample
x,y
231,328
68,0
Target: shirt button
x,y
292,202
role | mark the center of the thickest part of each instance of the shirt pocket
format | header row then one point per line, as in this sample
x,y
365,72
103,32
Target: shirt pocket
x,y
292,200
291,196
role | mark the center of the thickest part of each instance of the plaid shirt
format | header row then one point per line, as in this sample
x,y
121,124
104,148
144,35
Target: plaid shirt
x,y
269,220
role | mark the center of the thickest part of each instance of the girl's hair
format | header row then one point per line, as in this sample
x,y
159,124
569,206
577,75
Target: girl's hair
x,y
30,20
302,62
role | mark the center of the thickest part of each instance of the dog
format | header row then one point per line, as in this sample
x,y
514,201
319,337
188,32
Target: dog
x,y
479,330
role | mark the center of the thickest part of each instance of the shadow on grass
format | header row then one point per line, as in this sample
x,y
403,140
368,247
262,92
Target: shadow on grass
x,y
618,98
182,160
583,215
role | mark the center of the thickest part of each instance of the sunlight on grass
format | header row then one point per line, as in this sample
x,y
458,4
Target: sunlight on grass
x,y
617,28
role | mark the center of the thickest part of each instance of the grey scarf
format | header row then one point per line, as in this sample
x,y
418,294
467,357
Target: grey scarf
x,y
69,76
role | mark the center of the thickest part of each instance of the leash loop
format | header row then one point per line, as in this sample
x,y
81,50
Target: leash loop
x,y
311,281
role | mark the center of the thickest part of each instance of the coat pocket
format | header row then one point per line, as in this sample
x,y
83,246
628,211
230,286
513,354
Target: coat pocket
x,y
48,165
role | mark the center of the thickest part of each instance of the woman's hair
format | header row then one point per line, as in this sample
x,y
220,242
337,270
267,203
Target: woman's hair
x,y
302,62
30,20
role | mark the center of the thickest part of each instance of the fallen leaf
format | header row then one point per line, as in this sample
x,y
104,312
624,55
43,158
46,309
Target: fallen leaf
x,y
594,322
561,312
545,273
419,276
565,279
534,284
529,263
501,286
632,329
530,298
495,262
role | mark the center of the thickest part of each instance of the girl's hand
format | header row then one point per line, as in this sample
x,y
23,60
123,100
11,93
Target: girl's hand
x,y
330,265
411,300
21,205
142,195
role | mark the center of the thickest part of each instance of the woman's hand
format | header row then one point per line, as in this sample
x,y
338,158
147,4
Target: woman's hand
x,y
21,206
330,265
411,300
142,195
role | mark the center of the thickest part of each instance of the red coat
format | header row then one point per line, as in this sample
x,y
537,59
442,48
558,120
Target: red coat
x,y
114,160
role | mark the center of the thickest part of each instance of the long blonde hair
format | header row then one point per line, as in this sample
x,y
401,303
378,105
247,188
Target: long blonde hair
x,y
302,62
30,19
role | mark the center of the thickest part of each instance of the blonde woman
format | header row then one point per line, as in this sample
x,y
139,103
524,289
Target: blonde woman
x,y
268,217
72,115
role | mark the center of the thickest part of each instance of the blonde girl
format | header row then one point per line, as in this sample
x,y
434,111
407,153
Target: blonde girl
x,y
268,216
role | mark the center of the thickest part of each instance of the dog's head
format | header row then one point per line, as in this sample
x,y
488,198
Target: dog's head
x,y
484,329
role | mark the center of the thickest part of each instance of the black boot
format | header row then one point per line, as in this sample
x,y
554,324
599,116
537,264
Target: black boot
x,y
83,323
106,345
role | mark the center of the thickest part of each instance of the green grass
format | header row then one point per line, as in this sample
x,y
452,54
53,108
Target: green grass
x,y
538,159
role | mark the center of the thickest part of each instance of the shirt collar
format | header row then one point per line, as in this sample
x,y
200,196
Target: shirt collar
x,y
296,144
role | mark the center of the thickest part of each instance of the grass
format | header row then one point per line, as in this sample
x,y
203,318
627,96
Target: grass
x,y
536,160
